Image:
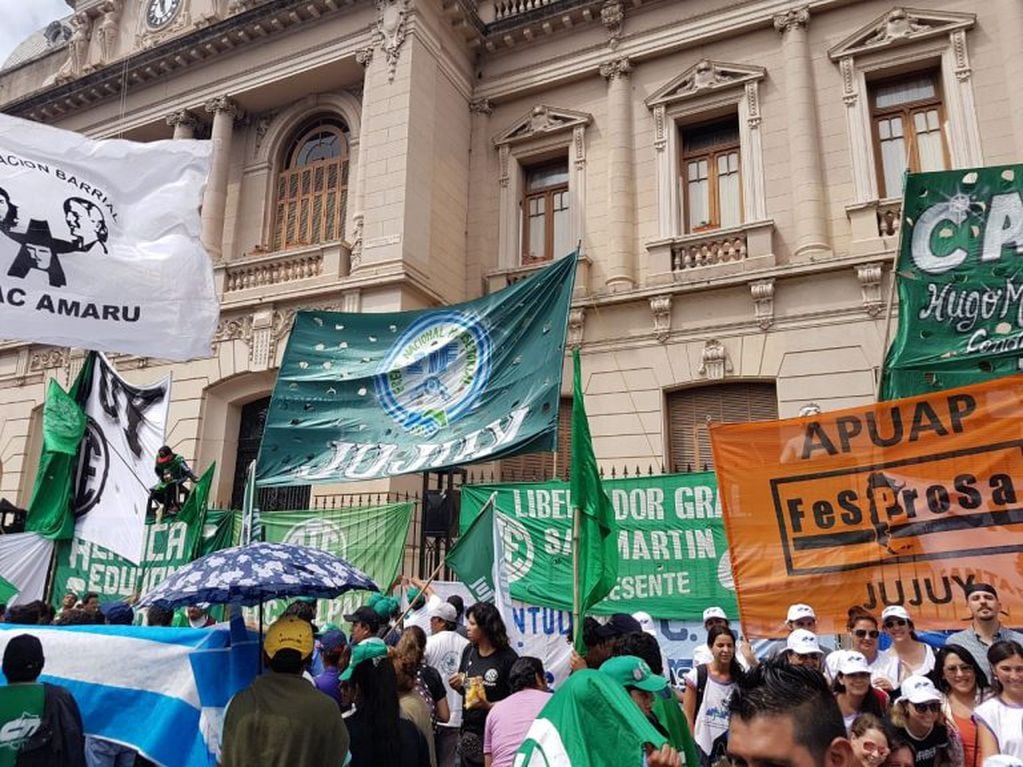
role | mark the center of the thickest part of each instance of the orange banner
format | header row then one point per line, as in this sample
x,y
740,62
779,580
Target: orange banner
x,y
902,502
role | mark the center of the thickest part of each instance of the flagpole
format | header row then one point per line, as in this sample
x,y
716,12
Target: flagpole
x,y
577,625
440,565
891,291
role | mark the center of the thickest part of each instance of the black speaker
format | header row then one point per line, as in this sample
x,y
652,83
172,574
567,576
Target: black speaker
x,y
438,512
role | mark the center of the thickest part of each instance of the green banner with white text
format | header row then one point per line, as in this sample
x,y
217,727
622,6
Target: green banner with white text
x,y
672,550
960,281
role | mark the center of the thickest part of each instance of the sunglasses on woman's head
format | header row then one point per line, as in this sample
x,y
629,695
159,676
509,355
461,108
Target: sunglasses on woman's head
x,y
864,633
893,622
922,708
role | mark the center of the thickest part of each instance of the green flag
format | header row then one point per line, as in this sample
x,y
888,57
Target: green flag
x,y
472,558
370,395
589,722
7,590
49,511
960,281
21,715
596,550
193,512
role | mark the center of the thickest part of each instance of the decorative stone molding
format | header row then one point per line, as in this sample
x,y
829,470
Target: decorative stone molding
x,y
714,361
579,147
481,107
616,68
182,117
261,125
870,276
219,104
542,120
661,308
47,359
612,16
364,56
392,23
576,322
107,31
797,18
358,221
77,49
273,270
898,27
762,292
233,329
705,76
146,37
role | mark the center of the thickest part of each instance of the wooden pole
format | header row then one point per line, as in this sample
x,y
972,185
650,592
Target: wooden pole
x,y
577,623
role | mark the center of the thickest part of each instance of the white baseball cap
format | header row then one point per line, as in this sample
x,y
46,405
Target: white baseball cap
x,y
445,612
853,663
919,689
1001,760
895,611
646,622
800,611
803,642
714,612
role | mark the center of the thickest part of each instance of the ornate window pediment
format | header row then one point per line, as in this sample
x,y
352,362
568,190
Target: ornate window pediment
x,y
898,26
542,120
705,76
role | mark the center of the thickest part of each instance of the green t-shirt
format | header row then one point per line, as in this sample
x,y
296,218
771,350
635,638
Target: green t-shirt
x,y
21,714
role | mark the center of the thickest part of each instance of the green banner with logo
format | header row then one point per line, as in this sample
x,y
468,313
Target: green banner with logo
x,y
21,714
960,281
370,395
372,539
672,550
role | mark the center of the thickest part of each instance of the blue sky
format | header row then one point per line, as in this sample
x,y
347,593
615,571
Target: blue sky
x,y
23,17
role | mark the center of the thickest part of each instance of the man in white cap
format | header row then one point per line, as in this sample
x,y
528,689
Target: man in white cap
x,y
802,649
444,652
715,616
799,616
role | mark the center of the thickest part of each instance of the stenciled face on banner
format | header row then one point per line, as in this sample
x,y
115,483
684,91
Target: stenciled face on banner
x,y
436,372
55,228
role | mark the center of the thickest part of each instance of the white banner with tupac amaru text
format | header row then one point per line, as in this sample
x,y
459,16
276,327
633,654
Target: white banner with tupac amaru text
x,y
124,428
99,243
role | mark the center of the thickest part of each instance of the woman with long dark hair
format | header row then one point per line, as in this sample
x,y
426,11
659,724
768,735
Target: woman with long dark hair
x,y
708,688
958,675
1000,718
853,691
864,631
379,734
907,656
482,677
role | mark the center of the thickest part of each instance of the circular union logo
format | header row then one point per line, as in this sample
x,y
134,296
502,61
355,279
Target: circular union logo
x,y
518,548
435,372
319,534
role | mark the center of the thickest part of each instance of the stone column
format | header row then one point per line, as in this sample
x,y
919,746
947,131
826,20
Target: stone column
x,y
224,112
184,123
808,209
621,262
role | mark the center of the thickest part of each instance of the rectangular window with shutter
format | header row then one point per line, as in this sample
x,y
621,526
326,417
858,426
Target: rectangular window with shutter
x,y
546,229
690,409
537,467
711,180
908,119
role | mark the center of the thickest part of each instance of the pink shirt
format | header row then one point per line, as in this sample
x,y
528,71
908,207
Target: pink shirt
x,y
508,722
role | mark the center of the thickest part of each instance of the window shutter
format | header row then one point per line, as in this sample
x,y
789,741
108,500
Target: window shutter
x,y
688,410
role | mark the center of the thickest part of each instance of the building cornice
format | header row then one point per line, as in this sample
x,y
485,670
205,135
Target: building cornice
x,y
192,49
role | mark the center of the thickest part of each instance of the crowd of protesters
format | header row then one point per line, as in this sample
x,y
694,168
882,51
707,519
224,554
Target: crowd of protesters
x,y
439,686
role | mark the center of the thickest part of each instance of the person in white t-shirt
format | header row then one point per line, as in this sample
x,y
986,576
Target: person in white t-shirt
x,y
444,647
423,602
715,616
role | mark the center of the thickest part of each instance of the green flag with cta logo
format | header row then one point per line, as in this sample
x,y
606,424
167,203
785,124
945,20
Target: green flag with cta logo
x,y
472,558
597,548
589,722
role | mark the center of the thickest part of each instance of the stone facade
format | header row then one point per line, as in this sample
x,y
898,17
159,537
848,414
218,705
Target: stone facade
x,y
448,103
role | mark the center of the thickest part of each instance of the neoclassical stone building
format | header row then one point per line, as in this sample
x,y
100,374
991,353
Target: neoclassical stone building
x,y
731,170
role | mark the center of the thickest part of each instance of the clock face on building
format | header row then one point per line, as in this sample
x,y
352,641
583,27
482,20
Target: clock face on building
x,y
160,12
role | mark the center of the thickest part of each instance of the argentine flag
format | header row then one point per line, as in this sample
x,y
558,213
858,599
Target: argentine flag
x,y
162,691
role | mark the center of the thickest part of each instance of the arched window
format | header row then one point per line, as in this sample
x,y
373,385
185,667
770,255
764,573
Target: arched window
x,y
312,187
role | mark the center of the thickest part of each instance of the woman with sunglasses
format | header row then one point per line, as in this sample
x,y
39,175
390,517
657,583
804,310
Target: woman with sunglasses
x,y
958,675
853,692
1000,719
869,741
917,717
907,656
863,628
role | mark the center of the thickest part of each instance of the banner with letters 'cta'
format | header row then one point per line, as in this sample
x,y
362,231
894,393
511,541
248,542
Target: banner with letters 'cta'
x,y
360,396
960,281
672,552
900,502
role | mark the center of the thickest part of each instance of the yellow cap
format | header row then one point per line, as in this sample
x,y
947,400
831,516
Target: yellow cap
x,y
289,633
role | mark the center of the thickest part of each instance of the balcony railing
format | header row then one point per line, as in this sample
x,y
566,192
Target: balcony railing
x,y
506,9
889,217
695,251
273,270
